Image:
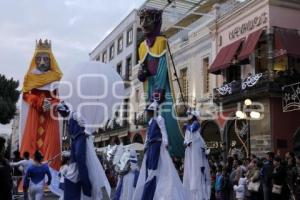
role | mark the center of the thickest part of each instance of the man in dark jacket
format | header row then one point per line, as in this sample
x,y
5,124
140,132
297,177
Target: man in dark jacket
x,y
266,176
5,174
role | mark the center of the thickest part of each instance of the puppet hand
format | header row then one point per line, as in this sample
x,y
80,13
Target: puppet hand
x,y
46,104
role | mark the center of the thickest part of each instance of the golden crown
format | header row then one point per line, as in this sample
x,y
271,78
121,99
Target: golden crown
x,y
40,45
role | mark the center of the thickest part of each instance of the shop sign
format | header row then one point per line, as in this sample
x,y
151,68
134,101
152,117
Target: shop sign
x,y
248,26
291,97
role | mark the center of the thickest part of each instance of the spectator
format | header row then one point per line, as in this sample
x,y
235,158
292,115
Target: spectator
x,y
25,165
291,178
297,187
254,178
266,176
240,189
279,190
221,183
5,174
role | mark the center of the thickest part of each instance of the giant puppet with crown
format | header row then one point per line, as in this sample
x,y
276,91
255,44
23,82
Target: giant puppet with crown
x,y
39,127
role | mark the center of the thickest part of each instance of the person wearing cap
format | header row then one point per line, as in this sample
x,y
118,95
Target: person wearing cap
x,y
34,179
128,175
158,177
196,177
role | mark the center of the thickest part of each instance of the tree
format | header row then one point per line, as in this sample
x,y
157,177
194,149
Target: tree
x,y
9,96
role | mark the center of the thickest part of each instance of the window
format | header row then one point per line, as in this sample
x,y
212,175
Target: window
x,y
111,51
119,69
120,44
137,96
129,36
98,58
261,59
184,83
125,111
104,56
128,67
205,66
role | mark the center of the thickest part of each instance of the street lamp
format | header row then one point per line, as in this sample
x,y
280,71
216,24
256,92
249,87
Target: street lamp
x,y
244,115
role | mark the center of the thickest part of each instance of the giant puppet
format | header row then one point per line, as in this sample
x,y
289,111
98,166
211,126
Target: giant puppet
x,y
156,75
91,93
39,127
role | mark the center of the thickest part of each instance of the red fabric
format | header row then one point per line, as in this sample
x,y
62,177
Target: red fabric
x,y
36,119
225,56
250,44
287,42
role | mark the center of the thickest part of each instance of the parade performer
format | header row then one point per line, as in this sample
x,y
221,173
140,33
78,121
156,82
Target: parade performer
x,y
158,177
39,130
35,177
87,111
157,77
128,171
196,176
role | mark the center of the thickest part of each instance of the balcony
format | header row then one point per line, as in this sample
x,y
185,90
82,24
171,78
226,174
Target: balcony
x,y
116,130
255,86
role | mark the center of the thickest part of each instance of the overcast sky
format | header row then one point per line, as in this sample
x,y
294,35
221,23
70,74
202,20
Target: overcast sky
x,y
75,27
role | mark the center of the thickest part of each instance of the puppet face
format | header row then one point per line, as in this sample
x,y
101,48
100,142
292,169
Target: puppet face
x,y
149,19
42,61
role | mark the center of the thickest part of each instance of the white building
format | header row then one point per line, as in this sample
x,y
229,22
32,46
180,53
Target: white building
x,y
15,132
119,48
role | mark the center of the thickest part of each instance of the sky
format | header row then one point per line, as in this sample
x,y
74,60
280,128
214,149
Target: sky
x,y
75,27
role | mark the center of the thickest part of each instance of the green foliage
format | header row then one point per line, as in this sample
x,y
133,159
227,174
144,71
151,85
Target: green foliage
x,y
9,96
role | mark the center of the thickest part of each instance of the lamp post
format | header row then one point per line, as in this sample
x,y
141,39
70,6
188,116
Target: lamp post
x,y
241,114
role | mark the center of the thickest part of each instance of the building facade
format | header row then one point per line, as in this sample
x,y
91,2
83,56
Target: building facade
x,y
256,50
119,49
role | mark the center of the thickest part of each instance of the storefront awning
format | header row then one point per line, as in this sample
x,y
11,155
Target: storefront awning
x,y
287,42
224,57
249,45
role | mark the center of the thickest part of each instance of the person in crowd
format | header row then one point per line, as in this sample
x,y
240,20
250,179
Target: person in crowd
x,y
158,180
62,173
297,187
213,173
25,163
196,178
235,175
221,184
291,176
6,183
266,176
240,189
279,189
253,177
34,179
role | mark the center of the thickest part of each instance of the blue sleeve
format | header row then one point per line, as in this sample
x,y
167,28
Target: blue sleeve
x,y
136,176
48,174
195,126
186,126
27,178
80,151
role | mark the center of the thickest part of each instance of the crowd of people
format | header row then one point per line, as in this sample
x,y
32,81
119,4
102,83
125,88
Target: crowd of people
x,y
271,177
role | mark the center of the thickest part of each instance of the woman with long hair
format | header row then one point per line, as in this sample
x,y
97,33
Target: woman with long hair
x,y
35,177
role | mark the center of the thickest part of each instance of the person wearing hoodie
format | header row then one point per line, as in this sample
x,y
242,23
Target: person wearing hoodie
x,y
240,189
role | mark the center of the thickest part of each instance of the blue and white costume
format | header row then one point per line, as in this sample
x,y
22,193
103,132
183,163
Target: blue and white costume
x,y
196,176
85,176
127,182
35,180
158,178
